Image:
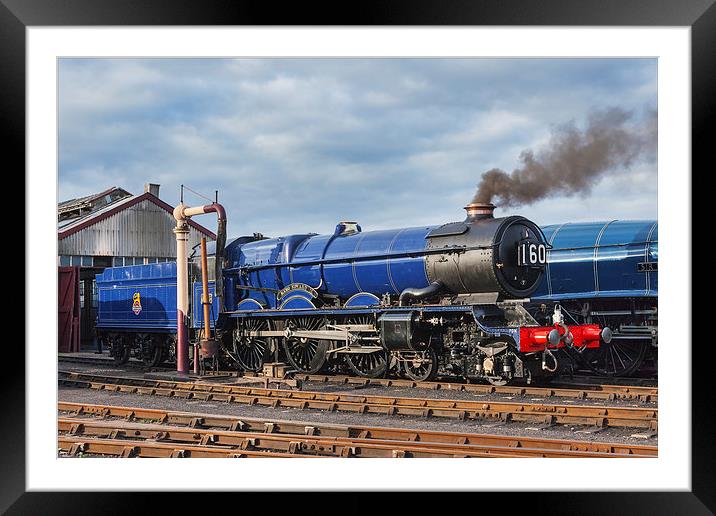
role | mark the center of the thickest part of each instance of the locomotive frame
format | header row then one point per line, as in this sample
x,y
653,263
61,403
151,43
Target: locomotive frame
x,y
418,341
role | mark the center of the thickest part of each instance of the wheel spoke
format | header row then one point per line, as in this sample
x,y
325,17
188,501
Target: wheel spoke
x,y
250,351
616,353
624,351
306,355
369,365
618,358
425,369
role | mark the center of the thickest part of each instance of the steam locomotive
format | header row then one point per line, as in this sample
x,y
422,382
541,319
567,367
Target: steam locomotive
x,y
606,273
420,301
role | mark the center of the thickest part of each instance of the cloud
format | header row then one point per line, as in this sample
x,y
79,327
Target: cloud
x,y
294,145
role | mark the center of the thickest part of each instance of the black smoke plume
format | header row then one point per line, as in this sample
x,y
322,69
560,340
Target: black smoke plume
x,y
573,160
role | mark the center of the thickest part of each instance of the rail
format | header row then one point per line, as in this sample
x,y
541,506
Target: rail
x,y
87,428
577,391
546,414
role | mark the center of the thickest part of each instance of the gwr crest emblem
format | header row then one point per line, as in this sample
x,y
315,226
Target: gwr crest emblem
x,y
136,304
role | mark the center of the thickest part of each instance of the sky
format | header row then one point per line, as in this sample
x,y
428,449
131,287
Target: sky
x,y
297,145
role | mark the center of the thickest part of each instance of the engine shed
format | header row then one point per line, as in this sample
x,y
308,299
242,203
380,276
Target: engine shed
x,y
108,229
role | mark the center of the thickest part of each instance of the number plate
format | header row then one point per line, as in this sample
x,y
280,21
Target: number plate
x,y
530,254
647,267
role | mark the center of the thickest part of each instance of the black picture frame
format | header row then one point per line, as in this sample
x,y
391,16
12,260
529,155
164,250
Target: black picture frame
x,y
700,15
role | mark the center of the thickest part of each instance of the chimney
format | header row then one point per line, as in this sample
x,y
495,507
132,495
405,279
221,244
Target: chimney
x,y
152,189
479,211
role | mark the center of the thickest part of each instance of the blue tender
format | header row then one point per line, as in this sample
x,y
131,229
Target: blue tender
x,y
143,298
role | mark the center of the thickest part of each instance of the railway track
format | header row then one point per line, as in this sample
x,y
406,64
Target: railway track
x,y
106,361
623,381
582,390
544,414
133,448
131,364
574,391
130,432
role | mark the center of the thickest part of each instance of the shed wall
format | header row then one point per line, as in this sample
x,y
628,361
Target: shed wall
x,y
144,229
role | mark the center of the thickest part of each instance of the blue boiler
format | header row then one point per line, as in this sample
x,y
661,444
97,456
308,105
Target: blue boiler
x,y
479,255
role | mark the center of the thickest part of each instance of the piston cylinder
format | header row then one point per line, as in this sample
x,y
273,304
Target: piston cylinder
x,y
402,332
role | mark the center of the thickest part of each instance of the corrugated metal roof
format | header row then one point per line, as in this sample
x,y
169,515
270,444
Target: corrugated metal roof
x,y
81,207
68,224
88,198
63,224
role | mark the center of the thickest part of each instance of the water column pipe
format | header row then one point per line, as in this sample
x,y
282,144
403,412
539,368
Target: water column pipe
x,y
204,301
182,214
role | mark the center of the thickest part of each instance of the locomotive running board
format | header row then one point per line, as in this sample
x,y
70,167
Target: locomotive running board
x,y
485,298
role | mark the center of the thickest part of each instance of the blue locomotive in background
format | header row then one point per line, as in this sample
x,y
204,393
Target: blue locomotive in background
x,y
448,299
606,273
